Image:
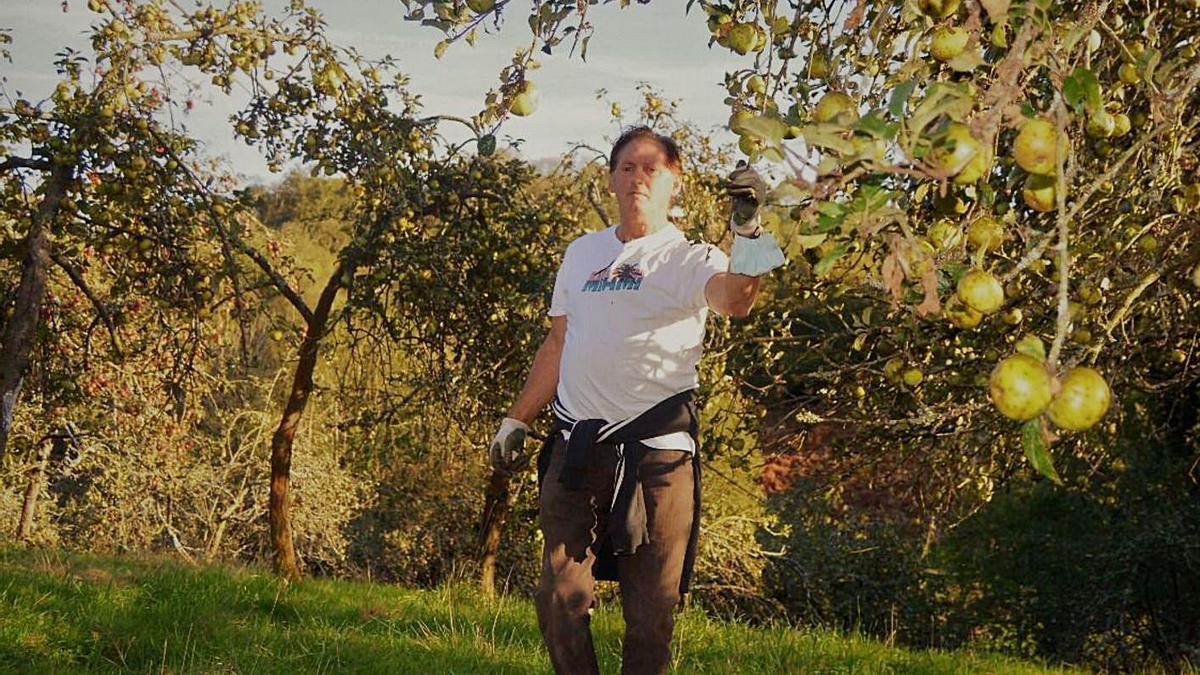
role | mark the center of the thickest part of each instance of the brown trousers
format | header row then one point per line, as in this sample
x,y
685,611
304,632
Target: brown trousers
x,y
649,579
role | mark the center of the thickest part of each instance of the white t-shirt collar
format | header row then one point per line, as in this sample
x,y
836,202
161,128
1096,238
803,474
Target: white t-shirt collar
x,y
666,234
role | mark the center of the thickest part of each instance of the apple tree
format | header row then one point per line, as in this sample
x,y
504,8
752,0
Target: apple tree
x,y
991,220
961,178
112,187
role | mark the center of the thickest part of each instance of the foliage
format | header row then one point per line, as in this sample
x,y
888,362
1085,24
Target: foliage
x,y
883,437
921,138
329,107
1104,575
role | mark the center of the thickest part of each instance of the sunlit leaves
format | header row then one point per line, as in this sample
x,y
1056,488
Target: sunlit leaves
x,y
1082,91
1036,450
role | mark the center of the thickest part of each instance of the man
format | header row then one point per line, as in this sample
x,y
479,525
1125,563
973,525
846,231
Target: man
x,y
619,475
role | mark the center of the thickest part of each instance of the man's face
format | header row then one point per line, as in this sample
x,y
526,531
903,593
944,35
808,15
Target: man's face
x,y
643,181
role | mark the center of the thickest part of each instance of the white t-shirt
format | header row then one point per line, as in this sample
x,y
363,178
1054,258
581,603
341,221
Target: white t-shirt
x,y
635,322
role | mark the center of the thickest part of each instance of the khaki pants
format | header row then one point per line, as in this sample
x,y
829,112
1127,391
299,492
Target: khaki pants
x,y
572,521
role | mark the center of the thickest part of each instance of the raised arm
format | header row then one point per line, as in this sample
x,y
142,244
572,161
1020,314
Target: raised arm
x,y
754,252
731,294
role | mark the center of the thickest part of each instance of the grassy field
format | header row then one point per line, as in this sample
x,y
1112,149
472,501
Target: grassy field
x,y
64,613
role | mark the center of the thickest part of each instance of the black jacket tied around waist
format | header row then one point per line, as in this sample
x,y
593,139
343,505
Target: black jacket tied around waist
x,y
627,529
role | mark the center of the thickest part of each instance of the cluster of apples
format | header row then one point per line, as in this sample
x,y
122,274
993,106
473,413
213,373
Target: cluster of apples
x,y
1022,387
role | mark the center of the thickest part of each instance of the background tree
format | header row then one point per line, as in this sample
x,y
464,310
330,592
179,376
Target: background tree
x,y
93,137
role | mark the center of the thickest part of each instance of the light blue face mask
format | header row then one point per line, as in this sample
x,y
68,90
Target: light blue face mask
x,y
757,256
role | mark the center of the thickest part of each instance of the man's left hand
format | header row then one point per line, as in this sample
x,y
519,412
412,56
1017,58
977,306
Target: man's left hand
x,y
748,192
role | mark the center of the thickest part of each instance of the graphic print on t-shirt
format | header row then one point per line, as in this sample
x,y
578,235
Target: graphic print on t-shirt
x,y
627,277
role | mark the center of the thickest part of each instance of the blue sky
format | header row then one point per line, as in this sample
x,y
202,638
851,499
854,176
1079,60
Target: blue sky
x,y
655,43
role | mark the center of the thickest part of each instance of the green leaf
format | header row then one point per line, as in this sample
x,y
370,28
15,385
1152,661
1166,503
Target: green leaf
x,y
941,99
787,191
766,127
772,154
487,145
440,49
827,136
832,209
826,262
870,197
1082,91
987,196
967,61
831,216
899,99
807,241
1036,451
874,124
1147,61
871,209
1072,38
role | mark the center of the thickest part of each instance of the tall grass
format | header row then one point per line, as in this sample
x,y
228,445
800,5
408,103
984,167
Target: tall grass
x,y
64,613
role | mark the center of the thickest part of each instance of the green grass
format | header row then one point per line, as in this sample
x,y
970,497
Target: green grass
x,y
67,612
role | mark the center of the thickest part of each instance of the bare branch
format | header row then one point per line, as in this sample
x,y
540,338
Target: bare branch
x,y
12,162
595,201
276,278
101,308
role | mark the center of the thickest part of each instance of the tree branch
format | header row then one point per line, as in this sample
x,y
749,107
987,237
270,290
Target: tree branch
x,y
1063,320
12,162
276,278
599,208
1120,314
101,309
228,239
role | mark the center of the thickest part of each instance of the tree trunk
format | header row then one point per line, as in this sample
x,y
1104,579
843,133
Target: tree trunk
x,y
278,506
37,478
501,493
21,329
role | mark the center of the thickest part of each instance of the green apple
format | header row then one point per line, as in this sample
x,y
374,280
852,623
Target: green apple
x,y
526,101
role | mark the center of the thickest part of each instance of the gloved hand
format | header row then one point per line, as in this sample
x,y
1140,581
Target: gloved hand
x,y
754,252
748,192
507,449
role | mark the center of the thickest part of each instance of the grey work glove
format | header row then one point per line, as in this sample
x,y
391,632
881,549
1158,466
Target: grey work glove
x,y
507,449
748,192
